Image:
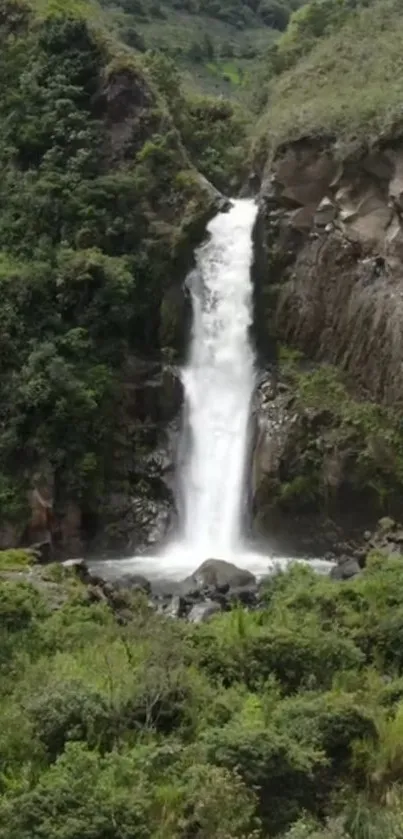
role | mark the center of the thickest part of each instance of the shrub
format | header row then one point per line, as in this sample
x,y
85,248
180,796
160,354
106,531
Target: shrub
x,y
280,770
71,712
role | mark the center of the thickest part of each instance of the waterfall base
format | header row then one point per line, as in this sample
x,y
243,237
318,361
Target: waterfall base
x,y
178,561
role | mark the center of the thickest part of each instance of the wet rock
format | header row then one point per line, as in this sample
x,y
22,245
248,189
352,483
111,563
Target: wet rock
x,y
216,573
245,595
80,568
134,582
202,612
69,528
325,213
176,607
223,588
95,594
40,499
43,552
346,569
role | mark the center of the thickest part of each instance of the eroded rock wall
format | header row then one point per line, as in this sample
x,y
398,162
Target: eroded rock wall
x,y
332,238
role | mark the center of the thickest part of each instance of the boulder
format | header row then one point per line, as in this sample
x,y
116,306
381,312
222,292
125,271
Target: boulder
x,y
246,595
202,612
215,573
346,568
176,607
80,568
134,582
43,552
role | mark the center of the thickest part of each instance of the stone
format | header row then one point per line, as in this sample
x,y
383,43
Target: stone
x,y
247,596
396,182
346,569
202,612
218,572
80,568
43,552
40,498
70,528
176,608
325,213
134,582
386,524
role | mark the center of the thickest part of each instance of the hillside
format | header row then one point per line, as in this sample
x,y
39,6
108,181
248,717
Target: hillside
x,y
338,76
101,205
329,151
217,45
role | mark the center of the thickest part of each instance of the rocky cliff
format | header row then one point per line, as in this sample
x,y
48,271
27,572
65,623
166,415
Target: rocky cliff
x,y
330,275
334,244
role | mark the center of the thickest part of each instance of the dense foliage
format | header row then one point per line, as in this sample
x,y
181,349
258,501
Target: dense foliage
x,y
283,722
215,42
100,206
273,13
335,71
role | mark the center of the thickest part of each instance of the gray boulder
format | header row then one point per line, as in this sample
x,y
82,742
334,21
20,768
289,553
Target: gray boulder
x,y
346,568
219,574
134,582
202,612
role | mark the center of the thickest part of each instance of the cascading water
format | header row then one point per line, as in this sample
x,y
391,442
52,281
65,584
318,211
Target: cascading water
x,y
218,383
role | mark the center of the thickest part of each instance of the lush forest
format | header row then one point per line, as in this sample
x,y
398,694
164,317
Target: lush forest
x,y
284,722
96,222
118,723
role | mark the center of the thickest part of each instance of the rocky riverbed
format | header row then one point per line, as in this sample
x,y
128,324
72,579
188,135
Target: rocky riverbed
x,y
216,586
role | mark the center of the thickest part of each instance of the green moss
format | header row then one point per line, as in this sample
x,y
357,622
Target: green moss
x,y
15,560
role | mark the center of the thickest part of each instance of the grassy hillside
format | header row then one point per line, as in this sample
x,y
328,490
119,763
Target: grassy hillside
x,y
216,43
346,81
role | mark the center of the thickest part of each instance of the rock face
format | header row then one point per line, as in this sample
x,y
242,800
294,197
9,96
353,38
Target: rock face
x,y
309,495
137,512
387,539
330,237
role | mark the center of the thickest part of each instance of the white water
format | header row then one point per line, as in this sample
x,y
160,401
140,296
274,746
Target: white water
x,y
219,381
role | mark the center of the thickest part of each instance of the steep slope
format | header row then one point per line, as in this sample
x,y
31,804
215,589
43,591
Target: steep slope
x,y
100,208
216,44
330,263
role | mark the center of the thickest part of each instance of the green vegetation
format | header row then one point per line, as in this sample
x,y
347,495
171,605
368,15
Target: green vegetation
x,y
100,207
283,722
213,130
342,447
216,43
335,72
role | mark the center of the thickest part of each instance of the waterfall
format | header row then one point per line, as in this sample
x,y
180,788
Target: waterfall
x,y
218,381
